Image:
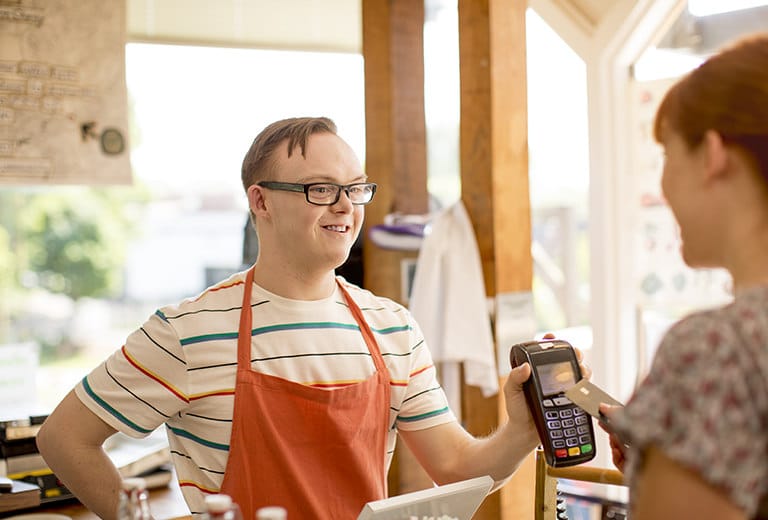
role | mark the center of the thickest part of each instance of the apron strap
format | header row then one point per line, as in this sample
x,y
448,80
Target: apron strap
x,y
244,332
365,330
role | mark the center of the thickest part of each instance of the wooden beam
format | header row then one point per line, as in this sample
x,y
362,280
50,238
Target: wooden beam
x,y
494,176
396,153
396,156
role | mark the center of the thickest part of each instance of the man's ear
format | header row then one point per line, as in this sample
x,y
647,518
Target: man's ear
x,y
256,199
716,155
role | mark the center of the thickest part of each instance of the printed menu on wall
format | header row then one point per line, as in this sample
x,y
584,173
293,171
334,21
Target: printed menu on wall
x,y
63,99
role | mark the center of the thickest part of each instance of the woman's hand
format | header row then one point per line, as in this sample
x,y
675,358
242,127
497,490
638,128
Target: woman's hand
x,y
618,448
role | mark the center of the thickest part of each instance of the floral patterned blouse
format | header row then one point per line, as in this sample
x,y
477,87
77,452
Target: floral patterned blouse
x,y
704,402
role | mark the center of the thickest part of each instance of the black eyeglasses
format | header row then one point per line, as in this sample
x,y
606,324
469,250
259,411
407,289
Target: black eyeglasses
x,y
327,193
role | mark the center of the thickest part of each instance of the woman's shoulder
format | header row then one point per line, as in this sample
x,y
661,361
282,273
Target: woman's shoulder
x,y
722,329
694,335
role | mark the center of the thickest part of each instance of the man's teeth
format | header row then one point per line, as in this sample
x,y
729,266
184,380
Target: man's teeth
x,y
340,229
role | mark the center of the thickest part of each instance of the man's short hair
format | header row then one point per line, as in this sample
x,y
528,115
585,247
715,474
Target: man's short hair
x,y
259,161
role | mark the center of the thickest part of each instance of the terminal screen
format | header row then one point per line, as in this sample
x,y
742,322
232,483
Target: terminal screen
x,y
556,377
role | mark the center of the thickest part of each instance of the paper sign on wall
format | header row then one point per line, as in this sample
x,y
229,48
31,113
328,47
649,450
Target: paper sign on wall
x,y
63,99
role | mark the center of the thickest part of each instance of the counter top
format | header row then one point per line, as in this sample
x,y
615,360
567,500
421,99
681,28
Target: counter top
x,y
166,503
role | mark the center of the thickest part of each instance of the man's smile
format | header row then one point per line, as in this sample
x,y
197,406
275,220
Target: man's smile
x,y
338,229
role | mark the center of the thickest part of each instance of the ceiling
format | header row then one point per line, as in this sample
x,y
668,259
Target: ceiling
x,y
700,36
330,25
590,11
336,25
323,25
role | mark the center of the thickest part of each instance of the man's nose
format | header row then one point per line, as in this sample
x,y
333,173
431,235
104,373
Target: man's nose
x,y
344,198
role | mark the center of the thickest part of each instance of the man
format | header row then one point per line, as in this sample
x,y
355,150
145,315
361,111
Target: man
x,y
282,385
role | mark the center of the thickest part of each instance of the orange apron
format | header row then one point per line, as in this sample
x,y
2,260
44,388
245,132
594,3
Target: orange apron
x,y
318,453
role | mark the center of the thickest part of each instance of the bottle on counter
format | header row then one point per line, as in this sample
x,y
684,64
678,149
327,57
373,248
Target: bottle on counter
x,y
272,513
134,500
221,507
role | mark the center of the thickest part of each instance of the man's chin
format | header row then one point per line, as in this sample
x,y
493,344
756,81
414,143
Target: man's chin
x,y
339,261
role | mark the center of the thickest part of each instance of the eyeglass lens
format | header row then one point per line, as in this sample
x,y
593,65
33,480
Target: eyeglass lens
x,y
329,193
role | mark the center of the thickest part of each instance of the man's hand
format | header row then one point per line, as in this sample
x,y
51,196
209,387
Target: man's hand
x,y
517,407
586,372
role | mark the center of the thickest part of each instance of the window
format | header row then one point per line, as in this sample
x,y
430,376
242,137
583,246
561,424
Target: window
x,y
123,251
666,289
559,181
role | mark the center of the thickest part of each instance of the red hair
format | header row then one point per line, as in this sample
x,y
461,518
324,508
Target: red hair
x,y
728,93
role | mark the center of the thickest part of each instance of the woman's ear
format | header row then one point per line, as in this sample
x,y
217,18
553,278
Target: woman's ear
x,y
716,155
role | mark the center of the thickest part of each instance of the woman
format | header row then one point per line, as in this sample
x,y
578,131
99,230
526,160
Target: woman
x,y
698,424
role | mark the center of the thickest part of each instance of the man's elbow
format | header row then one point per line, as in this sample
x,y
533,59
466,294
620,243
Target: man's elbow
x,y
52,448
59,435
46,440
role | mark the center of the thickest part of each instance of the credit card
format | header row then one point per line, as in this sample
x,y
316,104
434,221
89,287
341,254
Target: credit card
x,y
589,396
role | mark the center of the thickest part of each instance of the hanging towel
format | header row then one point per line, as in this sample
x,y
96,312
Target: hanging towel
x,y
449,303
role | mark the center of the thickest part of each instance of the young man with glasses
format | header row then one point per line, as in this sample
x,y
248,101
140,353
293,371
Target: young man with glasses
x,y
283,385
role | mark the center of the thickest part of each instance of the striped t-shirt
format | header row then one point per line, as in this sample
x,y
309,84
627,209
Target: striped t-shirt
x,y
179,369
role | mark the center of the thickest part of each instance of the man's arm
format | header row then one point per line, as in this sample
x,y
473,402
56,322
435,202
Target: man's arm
x,y
71,441
448,453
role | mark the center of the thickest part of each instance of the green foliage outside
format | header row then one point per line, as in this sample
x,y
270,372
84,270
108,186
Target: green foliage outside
x,y
7,268
75,242
62,240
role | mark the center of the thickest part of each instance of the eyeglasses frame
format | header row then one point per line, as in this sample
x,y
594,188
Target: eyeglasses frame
x,y
302,187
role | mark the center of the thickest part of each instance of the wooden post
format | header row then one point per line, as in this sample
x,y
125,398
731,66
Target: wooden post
x,y
396,156
494,176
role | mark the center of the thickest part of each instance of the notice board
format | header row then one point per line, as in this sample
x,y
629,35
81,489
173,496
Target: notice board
x,y
63,99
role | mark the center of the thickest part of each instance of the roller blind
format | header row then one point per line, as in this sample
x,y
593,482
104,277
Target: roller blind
x,y
312,25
